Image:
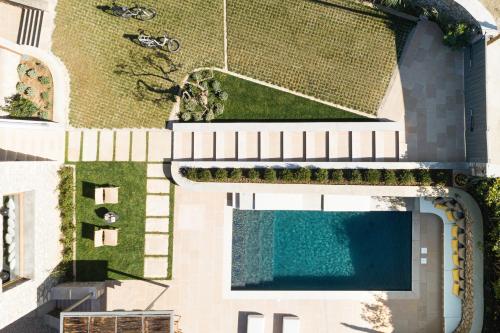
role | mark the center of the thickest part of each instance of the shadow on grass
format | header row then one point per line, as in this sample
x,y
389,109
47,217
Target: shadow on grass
x,y
91,270
88,230
88,190
101,211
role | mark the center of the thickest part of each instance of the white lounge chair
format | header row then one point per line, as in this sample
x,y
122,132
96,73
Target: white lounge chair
x,y
107,237
255,323
106,195
291,324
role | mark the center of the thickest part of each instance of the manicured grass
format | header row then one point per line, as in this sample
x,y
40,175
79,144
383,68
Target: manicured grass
x,y
125,261
94,47
250,101
337,50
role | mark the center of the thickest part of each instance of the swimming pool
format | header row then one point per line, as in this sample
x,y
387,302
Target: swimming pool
x,y
315,250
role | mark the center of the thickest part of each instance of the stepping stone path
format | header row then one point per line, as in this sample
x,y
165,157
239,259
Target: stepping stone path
x,y
137,145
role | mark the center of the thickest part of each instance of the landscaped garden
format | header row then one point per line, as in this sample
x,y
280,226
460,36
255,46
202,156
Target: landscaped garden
x,y
126,260
117,83
248,101
337,50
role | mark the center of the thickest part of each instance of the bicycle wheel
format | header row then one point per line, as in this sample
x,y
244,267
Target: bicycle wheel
x,y
145,14
173,45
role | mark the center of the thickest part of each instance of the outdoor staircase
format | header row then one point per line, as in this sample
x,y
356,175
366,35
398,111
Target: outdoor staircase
x,y
253,251
30,27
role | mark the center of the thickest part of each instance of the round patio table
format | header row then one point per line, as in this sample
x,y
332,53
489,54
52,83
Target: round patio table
x,y
111,217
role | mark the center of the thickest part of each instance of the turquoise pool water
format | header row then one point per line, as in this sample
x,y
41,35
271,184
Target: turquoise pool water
x,y
313,250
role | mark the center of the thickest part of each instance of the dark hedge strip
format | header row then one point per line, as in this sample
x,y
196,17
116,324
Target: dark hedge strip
x,y
421,177
66,207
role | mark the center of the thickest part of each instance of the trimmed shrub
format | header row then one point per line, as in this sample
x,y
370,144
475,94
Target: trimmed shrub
x,y
196,76
406,177
303,175
197,116
441,178
66,207
373,176
19,107
223,95
457,35
287,175
321,175
270,175
337,176
236,174
191,173
44,79
204,85
424,177
31,73
21,69
390,177
30,91
209,116
21,88
253,174
356,177
43,115
216,86
218,109
204,175
186,116
220,174
44,95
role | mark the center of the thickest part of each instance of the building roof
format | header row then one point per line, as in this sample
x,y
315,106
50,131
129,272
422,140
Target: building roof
x,y
117,321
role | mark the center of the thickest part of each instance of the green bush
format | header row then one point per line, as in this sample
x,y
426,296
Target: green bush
x,y
457,35
287,175
31,73
209,116
390,177
356,177
19,107
321,175
303,175
338,176
204,175
373,176
197,116
270,175
253,174
236,174
406,177
204,85
191,173
44,95
218,109
21,88
43,115
44,79
186,116
424,177
21,69
30,91
196,76
223,95
66,207
220,174
441,178
216,86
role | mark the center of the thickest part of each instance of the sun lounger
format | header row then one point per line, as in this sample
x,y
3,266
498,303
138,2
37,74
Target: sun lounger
x,y
456,289
291,324
456,276
454,246
454,231
107,237
106,195
449,215
455,260
255,323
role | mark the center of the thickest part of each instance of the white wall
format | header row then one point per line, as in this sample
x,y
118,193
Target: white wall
x,y
42,179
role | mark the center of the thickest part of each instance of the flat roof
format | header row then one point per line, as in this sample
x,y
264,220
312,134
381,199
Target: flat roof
x,y
117,321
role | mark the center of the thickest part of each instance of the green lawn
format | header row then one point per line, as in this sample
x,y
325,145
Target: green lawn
x,y
100,59
125,261
250,101
337,50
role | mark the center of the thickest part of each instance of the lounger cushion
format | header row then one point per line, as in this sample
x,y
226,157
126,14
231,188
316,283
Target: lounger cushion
x,y
456,289
449,215
454,246
99,195
440,206
98,238
456,275
454,231
111,195
455,259
111,237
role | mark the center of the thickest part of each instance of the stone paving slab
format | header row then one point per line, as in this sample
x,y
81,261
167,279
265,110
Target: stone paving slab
x,y
89,152
106,145
74,141
156,244
156,170
183,145
157,224
138,146
157,205
204,145
293,145
159,145
155,267
225,145
340,149
270,146
316,145
248,145
158,186
122,145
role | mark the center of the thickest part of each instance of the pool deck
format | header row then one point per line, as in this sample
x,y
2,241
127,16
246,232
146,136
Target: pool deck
x,y
196,291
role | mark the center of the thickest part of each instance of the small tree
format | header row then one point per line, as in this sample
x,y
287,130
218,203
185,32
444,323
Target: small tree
x,y
236,174
253,174
406,177
390,177
186,116
223,95
321,175
373,176
303,175
31,73
356,177
338,176
457,35
19,107
270,175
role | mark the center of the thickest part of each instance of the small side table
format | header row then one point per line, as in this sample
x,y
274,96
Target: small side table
x,y
111,217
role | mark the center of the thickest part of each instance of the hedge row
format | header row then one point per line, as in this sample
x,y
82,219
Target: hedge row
x,y
321,176
66,207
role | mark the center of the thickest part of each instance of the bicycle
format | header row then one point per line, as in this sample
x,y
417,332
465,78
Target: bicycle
x,y
160,42
138,12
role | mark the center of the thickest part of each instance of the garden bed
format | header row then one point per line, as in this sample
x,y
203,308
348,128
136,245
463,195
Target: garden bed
x,y
413,177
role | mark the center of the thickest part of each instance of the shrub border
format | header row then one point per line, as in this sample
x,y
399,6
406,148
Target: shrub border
x,y
374,177
66,205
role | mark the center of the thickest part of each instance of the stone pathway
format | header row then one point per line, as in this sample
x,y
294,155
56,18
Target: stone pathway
x,y
136,145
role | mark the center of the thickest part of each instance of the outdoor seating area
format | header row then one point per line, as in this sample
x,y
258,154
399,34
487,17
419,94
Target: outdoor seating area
x,y
106,195
106,237
256,323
